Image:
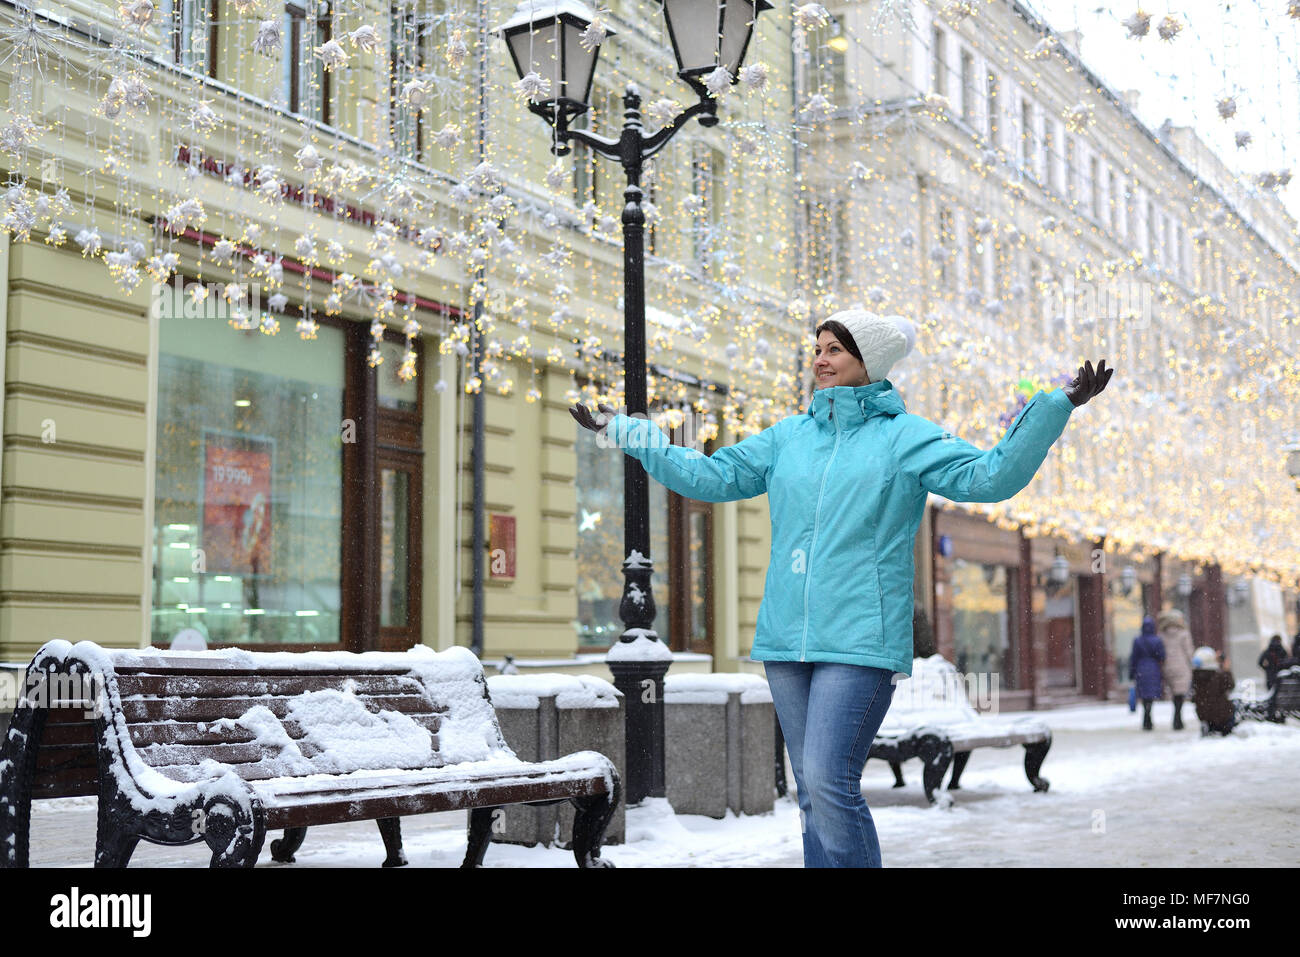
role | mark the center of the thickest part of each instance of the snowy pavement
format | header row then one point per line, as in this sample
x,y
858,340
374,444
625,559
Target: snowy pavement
x,y
1119,798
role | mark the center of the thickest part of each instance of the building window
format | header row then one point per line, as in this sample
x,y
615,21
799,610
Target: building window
x,y
1049,156
994,117
984,620
968,87
1070,173
1027,145
190,33
1094,188
938,63
947,229
975,252
600,546
1153,239
708,185
304,80
248,483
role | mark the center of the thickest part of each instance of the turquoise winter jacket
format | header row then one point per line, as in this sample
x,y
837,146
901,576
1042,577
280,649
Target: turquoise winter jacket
x,y
847,483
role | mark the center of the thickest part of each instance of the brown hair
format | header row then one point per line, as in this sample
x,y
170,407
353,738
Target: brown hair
x,y
845,337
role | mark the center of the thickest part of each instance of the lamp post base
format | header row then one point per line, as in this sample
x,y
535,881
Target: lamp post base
x,y
642,685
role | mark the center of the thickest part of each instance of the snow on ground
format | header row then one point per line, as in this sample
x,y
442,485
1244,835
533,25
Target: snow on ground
x,y
1119,797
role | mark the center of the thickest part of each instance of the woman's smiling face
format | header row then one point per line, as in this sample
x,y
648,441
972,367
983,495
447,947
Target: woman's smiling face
x,y
834,365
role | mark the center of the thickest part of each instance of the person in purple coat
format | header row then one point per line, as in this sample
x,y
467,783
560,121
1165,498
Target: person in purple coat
x,y
1144,667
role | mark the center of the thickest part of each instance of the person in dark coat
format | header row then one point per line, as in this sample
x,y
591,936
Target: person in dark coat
x,y
1144,667
1294,658
1211,685
1272,661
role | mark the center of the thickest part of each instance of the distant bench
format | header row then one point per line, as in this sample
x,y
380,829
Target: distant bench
x,y
1283,700
222,746
930,718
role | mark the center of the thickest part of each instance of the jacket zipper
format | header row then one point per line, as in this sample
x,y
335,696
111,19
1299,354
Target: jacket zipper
x,y
817,516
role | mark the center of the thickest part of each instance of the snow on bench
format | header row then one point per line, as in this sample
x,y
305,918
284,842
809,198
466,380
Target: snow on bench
x,y
222,746
931,718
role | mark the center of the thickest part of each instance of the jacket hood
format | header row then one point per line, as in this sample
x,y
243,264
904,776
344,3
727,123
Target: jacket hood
x,y
856,404
1148,625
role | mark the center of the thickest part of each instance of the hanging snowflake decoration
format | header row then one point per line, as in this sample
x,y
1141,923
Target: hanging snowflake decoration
x,y
202,117
754,77
269,39
1049,224
718,81
305,248
810,16
243,6
457,50
860,172
375,358
90,242
183,215
415,92
242,319
907,239
595,33
334,251
1243,138
1043,49
19,216
448,137
309,159
269,325
277,302
223,250
957,11
406,371
1078,117
557,176
533,86
663,111
1227,107
269,185
365,38
161,267
983,225
57,235
136,14
1138,25
307,328
819,108
1169,27
331,54
18,135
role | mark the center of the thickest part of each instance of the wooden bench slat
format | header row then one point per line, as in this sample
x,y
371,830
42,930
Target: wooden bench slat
x,y
256,685
422,802
144,734
213,709
176,755
68,782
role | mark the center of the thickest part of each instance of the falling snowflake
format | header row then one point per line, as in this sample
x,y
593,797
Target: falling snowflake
x,y
269,39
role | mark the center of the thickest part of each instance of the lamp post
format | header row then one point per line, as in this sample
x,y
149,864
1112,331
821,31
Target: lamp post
x,y
546,43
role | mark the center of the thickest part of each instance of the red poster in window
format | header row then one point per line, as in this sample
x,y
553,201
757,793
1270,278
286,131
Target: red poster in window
x,y
237,505
501,545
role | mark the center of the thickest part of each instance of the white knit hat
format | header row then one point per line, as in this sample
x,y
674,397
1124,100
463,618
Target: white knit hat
x,y
1205,657
882,340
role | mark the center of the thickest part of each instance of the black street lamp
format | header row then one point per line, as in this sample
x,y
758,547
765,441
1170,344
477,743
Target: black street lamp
x,y
545,38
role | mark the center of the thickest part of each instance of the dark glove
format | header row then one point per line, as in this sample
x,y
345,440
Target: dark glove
x,y
1088,382
591,422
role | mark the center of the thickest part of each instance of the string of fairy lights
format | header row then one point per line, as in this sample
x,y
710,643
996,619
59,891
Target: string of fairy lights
x,y
341,157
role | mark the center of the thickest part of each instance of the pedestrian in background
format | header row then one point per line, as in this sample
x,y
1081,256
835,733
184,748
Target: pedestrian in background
x,y
1144,668
1272,661
846,482
1178,659
1211,685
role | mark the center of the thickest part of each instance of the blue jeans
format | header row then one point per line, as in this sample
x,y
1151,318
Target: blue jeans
x,y
829,715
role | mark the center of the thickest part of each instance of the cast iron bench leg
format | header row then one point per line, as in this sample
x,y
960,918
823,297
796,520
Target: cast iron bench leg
x,y
958,766
390,829
589,822
284,848
480,835
1035,754
897,768
234,840
936,753
114,843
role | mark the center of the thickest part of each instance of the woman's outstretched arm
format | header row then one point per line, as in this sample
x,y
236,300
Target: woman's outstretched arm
x,y
955,469
735,472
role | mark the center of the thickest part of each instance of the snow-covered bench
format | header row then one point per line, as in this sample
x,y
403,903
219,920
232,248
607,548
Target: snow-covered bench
x,y
223,746
931,718
1283,699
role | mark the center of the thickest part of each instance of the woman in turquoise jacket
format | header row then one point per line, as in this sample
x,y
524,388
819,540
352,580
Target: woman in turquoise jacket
x,y
847,483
